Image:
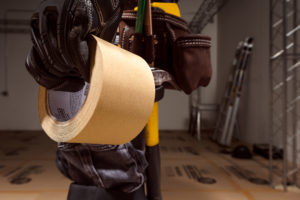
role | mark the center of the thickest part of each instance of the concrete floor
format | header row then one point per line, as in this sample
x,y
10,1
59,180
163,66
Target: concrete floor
x,y
190,171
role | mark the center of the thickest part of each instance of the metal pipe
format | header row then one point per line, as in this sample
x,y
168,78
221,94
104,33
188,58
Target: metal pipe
x,y
295,117
280,20
285,107
279,85
294,66
279,53
271,93
294,30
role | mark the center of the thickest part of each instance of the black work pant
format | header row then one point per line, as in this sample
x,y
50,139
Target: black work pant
x,y
81,192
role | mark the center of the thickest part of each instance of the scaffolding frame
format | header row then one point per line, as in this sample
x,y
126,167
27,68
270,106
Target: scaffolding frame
x,y
284,89
207,10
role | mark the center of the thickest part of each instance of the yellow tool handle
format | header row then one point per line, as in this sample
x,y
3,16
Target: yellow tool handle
x,y
152,135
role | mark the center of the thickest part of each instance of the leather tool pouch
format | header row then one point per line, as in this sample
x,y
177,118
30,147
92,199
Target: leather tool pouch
x,y
184,55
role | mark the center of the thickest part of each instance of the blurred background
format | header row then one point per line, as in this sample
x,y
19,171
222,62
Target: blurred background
x,y
266,117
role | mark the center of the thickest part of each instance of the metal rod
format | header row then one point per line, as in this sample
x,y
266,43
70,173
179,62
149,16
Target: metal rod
x,y
279,22
289,78
280,53
285,88
293,172
295,118
295,100
198,126
293,30
291,139
294,66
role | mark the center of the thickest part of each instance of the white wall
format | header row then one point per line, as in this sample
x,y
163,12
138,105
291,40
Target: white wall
x,y
18,111
238,19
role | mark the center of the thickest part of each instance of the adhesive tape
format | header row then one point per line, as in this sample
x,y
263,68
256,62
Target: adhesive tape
x,y
117,105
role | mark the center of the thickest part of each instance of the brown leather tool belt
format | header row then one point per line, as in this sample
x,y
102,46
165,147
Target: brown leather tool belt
x,y
184,55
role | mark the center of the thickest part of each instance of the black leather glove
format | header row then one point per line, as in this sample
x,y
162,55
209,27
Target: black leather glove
x,y
130,4
59,58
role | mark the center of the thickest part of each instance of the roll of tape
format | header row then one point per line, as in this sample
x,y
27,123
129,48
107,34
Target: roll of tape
x,y
118,104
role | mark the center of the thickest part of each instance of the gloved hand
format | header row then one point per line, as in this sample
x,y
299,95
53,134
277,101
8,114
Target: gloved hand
x,y
59,58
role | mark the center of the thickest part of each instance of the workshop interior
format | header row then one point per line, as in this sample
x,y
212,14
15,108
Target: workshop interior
x,y
149,100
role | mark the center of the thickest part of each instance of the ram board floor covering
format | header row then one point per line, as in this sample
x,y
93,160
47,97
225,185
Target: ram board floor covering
x,y
190,170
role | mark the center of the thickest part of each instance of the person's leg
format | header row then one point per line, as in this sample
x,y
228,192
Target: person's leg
x,y
119,168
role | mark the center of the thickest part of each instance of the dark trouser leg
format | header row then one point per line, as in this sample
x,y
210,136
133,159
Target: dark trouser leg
x,y
82,192
116,168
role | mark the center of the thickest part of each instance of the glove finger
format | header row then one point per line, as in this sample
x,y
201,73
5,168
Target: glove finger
x,y
66,24
81,57
80,18
36,39
75,23
109,15
35,67
85,21
49,14
78,45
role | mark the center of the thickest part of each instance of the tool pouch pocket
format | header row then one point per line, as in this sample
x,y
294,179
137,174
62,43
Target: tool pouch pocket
x,y
191,61
184,55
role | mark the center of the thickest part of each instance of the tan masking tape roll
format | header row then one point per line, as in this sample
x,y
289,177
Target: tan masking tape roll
x,y
118,104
